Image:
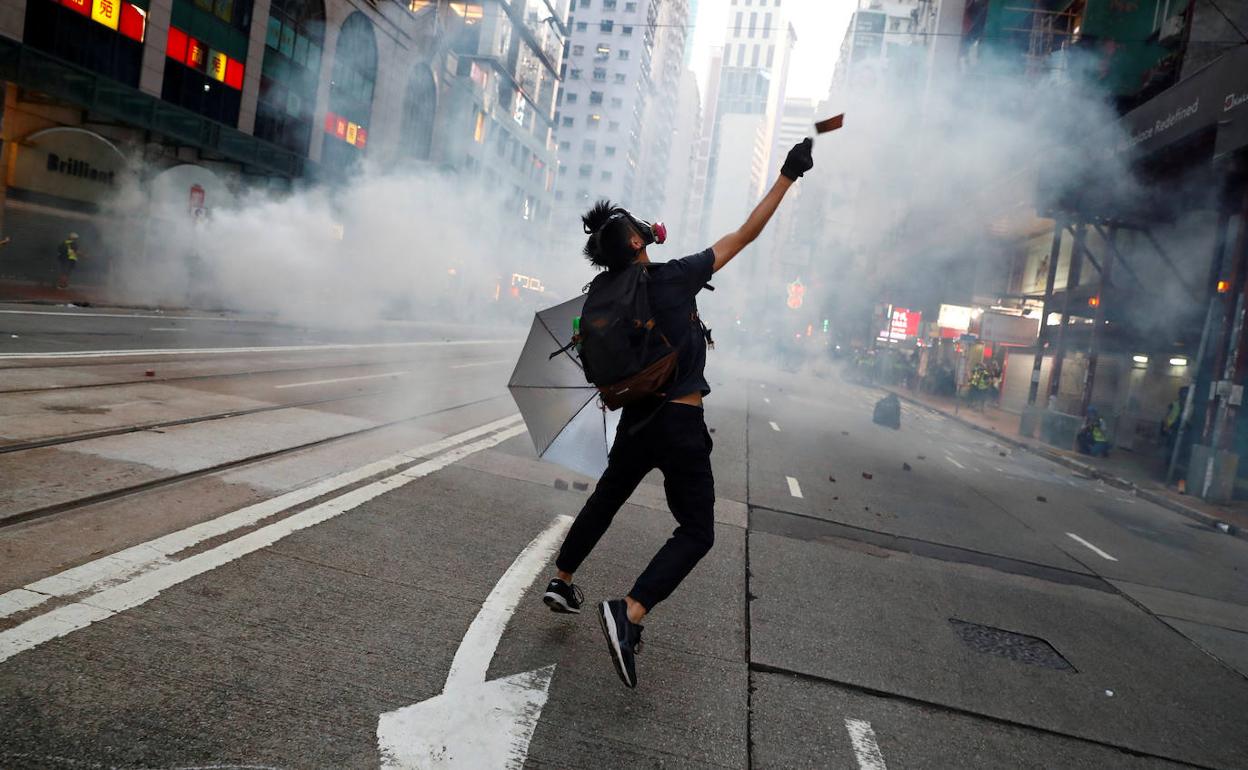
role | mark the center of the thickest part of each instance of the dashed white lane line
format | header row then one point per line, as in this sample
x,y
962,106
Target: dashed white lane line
x,y
774,427
1094,549
866,750
955,462
339,379
795,489
495,362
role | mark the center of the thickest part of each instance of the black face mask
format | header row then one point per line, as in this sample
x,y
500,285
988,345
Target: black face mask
x,y
650,233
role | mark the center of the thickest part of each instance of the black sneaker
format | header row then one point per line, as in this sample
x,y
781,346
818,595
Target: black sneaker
x,y
623,639
561,597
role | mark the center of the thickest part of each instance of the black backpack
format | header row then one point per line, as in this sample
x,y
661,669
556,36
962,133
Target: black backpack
x,y
622,349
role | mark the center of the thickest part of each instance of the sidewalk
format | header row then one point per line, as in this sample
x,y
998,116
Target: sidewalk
x,y
1123,469
42,294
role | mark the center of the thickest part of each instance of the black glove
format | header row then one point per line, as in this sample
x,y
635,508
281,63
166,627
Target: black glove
x,y
798,161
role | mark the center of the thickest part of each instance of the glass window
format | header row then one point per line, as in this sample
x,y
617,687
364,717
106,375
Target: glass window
x,y
767,24
567,122
771,54
623,54
613,125
620,78
617,102
595,97
273,33
630,7
600,74
570,99
565,145
578,50
582,26
626,30
606,176
741,55
608,5
754,56
753,22
589,145
575,74
606,26
586,170
609,151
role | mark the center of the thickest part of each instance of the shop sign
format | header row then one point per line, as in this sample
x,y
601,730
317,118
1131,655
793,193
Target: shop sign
x,y
347,130
527,282
194,54
81,6
216,66
69,163
106,12
955,317
1009,329
902,323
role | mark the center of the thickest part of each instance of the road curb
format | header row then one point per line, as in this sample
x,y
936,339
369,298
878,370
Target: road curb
x,y
1152,496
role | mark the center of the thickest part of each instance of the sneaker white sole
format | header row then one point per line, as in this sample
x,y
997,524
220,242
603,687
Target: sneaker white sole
x,y
557,603
611,632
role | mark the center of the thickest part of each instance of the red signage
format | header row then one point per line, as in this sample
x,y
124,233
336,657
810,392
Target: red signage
x,y
81,6
347,130
902,323
796,292
194,54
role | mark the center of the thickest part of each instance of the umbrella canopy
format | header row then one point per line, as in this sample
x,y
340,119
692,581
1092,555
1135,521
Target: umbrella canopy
x,y
559,407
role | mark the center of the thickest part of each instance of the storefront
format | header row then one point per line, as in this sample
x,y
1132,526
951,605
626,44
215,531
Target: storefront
x,y
63,180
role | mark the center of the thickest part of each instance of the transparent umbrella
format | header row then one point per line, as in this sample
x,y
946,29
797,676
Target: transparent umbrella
x,y
561,410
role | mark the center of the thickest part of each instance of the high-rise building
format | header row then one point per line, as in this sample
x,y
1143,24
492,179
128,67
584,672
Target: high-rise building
x,y
696,208
662,104
680,175
607,79
753,70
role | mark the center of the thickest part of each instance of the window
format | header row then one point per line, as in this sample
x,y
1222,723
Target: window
x,y
613,125
767,25
606,26
565,145
582,26
630,8
741,55
617,102
563,170
570,98
606,176
600,75
578,50
754,56
583,4
567,122
589,146
603,52
736,27
609,151
620,78
608,5
626,31
771,54
594,120
595,97
894,23
623,54
575,74
753,22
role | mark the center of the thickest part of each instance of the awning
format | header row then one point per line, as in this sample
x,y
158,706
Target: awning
x,y
1216,98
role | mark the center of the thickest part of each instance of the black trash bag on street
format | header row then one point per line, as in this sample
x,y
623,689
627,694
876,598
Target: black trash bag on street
x,y
888,412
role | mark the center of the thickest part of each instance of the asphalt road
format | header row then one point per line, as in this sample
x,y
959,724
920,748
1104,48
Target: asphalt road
x,y
295,548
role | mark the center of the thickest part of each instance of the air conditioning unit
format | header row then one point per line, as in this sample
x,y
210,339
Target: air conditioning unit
x,y
1171,30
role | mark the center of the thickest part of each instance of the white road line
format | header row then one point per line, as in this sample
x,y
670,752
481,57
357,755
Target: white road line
x,y
1094,549
139,315
483,363
866,750
106,570
222,351
955,462
166,329
147,586
774,427
339,379
795,489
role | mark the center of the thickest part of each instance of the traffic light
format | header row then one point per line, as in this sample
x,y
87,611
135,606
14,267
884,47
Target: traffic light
x,y
825,326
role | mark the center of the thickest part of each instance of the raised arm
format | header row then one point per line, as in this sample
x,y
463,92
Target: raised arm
x,y
796,163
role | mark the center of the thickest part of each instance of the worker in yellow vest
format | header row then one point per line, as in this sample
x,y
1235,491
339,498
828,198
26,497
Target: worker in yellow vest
x,y
67,259
1092,439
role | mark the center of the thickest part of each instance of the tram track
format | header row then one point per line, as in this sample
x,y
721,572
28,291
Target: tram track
x,y
45,511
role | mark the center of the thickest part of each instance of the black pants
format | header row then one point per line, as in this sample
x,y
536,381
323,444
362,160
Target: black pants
x,y
676,442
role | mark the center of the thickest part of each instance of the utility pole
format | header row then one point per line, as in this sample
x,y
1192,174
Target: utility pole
x,y
1094,352
1072,281
1042,340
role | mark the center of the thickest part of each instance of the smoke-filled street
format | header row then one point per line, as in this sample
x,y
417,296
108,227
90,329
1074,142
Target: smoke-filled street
x,y
263,552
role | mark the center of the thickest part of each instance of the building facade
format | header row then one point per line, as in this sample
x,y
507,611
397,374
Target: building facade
x,y
188,104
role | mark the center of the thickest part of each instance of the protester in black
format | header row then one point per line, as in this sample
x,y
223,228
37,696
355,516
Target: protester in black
x,y
668,434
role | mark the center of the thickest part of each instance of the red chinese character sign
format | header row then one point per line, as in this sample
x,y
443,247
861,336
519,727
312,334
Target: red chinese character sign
x,y
902,323
797,291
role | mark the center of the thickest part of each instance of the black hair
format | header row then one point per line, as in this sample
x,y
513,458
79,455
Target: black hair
x,y
608,244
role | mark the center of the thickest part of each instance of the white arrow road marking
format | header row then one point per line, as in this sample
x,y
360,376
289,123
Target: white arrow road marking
x,y
148,585
866,749
339,379
1095,550
774,427
107,570
795,489
475,723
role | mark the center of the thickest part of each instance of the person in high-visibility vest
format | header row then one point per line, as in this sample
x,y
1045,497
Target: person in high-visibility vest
x,y
67,259
1092,439
1170,423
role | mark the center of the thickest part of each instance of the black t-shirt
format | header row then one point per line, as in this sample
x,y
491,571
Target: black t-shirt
x,y
673,288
